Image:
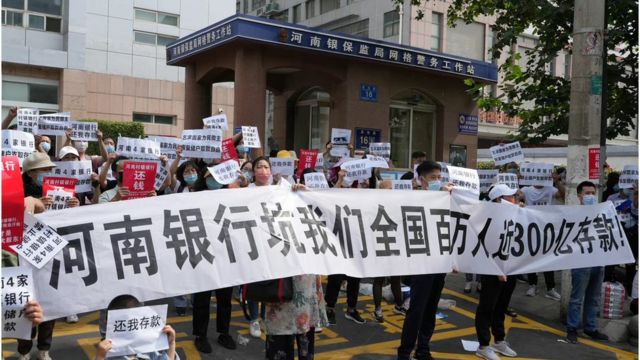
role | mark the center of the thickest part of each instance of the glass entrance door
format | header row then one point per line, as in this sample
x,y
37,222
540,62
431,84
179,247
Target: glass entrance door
x,y
412,129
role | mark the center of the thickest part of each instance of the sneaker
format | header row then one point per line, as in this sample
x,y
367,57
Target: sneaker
x,y
531,291
331,316
254,329
399,310
354,316
486,352
24,357
572,336
422,357
503,348
467,287
318,329
596,335
511,312
553,295
181,311
72,319
377,314
202,344
226,341
43,355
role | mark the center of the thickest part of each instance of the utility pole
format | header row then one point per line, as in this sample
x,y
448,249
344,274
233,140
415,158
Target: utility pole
x,y
585,112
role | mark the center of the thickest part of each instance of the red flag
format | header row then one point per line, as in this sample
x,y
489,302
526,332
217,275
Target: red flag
x,y
12,202
229,151
307,160
139,177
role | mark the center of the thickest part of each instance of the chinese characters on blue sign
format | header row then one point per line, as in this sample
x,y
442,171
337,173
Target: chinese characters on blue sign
x,y
365,136
467,124
368,92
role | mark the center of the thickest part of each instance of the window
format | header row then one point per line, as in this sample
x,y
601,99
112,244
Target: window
x,y
154,119
391,24
24,92
466,40
152,39
297,13
310,9
255,4
436,31
328,5
43,15
360,28
157,17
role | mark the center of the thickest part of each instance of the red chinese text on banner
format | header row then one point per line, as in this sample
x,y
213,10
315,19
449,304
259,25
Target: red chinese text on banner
x,y
594,163
57,182
139,177
307,160
228,150
12,202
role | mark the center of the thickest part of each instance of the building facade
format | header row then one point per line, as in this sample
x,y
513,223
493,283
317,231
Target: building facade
x,y
102,60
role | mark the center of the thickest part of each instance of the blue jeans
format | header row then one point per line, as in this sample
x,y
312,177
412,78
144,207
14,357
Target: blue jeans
x,y
586,286
255,310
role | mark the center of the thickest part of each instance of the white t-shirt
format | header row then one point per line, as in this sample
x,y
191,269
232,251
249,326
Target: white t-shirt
x,y
542,196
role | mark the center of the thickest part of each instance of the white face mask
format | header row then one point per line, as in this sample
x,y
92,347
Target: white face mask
x,y
81,146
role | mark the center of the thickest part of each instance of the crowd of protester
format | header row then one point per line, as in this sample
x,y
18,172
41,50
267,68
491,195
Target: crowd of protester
x,y
317,306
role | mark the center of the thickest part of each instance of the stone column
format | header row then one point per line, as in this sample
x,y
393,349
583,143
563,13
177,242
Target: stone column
x,y
250,91
197,99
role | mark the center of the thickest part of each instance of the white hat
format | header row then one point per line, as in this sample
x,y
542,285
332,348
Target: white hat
x,y
499,190
66,150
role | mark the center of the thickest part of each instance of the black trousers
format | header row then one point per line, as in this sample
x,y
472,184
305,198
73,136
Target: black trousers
x,y
280,347
333,289
201,311
494,300
396,290
420,320
549,279
45,336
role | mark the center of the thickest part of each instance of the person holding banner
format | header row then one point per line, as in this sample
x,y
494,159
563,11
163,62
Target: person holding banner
x,y
43,143
420,320
586,285
34,169
495,297
11,114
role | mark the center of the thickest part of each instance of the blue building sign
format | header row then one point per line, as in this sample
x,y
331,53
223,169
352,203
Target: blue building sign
x,y
467,124
366,136
368,93
297,36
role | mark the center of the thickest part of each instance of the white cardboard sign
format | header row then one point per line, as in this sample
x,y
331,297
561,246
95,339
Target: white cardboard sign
x,y
40,243
137,330
225,173
17,290
250,137
536,174
506,153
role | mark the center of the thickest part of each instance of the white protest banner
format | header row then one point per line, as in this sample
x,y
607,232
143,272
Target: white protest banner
x,y
315,180
137,330
162,172
282,166
356,170
464,178
54,124
401,185
80,170
27,120
40,243
17,290
205,143
511,180
340,151
629,177
340,136
84,131
60,198
380,149
378,161
168,145
250,137
506,153
17,143
216,122
225,173
138,149
444,172
536,174
486,178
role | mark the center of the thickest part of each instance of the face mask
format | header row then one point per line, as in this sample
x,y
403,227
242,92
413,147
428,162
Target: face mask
x,y
248,175
45,147
513,171
40,179
589,199
212,184
242,149
81,146
628,192
434,185
190,179
110,149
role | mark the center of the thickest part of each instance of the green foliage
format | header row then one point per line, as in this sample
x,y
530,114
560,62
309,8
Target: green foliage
x,y
486,165
541,99
113,129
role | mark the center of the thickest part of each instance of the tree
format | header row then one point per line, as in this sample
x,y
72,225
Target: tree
x,y
540,99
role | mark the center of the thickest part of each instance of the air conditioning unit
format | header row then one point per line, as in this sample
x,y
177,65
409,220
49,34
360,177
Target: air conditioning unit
x,y
271,9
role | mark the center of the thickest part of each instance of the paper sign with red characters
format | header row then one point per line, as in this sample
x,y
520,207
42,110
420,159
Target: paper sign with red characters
x,y
139,177
308,159
228,150
61,189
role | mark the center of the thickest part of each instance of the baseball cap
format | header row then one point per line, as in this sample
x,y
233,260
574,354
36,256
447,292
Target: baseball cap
x,y
66,150
499,190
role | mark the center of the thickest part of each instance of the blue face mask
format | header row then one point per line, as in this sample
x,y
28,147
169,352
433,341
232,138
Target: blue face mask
x,y
110,149
628,192
589,199
248,175
45,146
434,185
40,179
242,149
212,184
190,179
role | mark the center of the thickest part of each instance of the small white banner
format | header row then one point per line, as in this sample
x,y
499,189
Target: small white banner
x,y
17,290
506,153
536,174
17,143
225,173
511,180
206,144
486,178
380,149
40,243
137,330
315,180
54,124
60,198
340,151
378,161
168,145
138,149
27,120
282,166
216,122
250,137
340,136
401,185
80,170
628,177
84,131
464,178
